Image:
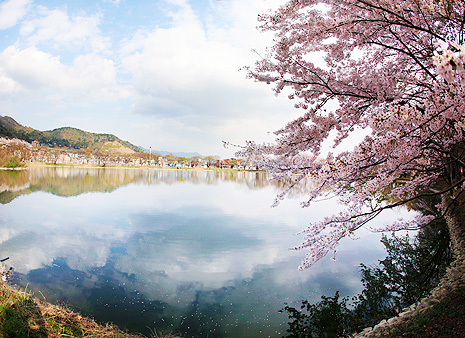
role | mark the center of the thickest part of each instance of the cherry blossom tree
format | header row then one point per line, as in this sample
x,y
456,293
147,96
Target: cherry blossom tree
x,y
393,70
13,152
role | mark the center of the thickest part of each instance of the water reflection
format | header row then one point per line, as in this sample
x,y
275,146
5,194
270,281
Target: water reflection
x,y
66,181
197,252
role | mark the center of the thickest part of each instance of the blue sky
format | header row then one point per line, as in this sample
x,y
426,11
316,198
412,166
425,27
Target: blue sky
x,y
160,73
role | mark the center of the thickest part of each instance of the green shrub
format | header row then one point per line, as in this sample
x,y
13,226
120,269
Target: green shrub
x,y
409,271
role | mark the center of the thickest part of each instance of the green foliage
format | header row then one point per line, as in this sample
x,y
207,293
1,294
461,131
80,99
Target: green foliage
x,y
19,317
9,160
328,318
409,271
12,163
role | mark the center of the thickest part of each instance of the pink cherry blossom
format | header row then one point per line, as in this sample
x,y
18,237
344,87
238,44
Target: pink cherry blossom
x,y
392,68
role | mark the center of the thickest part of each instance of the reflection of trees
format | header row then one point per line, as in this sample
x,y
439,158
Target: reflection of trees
x,y
13,184
13,180
62,181
67,181
411,269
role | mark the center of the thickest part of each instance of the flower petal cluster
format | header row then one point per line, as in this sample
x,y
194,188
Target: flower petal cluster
x,y
13,143
388,68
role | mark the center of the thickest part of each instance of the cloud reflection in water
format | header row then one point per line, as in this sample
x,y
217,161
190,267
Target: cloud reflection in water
x,y
198,252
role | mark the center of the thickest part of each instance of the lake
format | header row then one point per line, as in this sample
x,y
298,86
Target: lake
x,y
195,252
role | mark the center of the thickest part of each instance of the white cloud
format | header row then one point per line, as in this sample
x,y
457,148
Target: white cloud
x,y
114,2
171,134
192,68
36,70
178,73
181,67
30,67
186,75
57,27
8,85
12,11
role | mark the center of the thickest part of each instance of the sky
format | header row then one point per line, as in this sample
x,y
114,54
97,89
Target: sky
x,y
163,74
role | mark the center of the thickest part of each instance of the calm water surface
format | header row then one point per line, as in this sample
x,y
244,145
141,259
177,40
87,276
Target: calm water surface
x,y
196,252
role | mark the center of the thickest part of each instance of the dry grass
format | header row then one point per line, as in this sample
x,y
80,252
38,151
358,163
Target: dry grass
x,y
21,315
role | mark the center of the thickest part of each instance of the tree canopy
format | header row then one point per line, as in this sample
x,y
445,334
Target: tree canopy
x,y
394,69
411,269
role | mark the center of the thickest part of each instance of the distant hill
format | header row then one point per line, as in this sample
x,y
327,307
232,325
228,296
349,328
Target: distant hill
x,y
65,137
178,154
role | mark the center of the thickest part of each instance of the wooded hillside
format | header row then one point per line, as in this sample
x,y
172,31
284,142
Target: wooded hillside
x,y
61,137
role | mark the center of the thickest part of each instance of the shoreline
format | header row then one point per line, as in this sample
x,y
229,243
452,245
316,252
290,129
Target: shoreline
x,y
13,169
91,166
32,316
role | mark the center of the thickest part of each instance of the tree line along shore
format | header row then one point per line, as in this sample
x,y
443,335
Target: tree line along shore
x,y
15,153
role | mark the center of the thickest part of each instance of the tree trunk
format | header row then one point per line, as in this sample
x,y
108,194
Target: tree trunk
x,y
455,220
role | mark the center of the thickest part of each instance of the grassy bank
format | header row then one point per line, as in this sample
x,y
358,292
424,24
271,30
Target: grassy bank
x,y
22,315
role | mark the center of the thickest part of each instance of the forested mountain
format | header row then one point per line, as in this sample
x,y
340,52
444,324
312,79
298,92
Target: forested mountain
x,y
62,137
